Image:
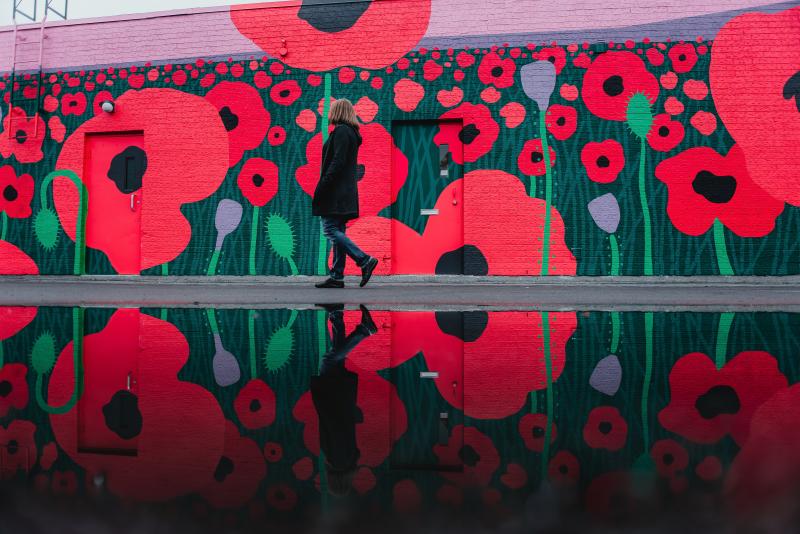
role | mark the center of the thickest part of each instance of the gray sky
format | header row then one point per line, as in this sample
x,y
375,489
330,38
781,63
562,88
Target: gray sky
x,y
79,9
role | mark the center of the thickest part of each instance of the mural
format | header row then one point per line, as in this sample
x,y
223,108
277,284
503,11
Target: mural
x,y
487,413
569,158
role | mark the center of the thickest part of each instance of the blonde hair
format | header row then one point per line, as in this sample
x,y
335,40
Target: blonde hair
x,y
342,112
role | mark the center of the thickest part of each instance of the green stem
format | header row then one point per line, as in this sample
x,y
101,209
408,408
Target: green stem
x,y
615,318
251,333
615,330
292,319
293,265
212,266
723,261
253,241
612,241
80,223
723,330
532,188
548,195
648,231
2,356
322,249
164,272
548,366
77,363
3,225
534,402
648,375
212,320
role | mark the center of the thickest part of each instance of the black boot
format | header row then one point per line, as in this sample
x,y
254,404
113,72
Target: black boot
x,y
366,271
330,283
366,320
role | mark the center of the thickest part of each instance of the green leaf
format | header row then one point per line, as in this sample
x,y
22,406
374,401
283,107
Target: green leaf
x,y
45,226
280,235
43,354
279,349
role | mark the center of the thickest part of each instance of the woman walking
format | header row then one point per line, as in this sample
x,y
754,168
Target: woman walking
x,y
336,196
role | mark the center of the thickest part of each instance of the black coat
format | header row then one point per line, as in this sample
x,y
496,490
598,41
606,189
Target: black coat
x,y
336,194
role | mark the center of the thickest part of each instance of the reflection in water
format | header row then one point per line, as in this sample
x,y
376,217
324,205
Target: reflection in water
x,y
525,420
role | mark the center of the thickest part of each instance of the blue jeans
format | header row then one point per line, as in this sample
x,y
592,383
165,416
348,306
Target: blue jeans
x,y
334,229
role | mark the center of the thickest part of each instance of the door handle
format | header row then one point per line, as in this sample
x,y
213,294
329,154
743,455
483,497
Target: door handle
x,y
128,383
455,200
133,201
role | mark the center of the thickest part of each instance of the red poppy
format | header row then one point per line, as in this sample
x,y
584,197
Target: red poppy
x,y
611,496
772,87
555,55
99,98
561,121
242,112
15,193
665,134
533,428
611,80
364,480
388,31
182,433
64,483
26,140
707,403
18,448
276,136
683,57
303,468
13,387
255,405
239,471
73,104
273,452
475,450
49,456
377,148
704,185
285,93
564,469
281,497
174,175
15,318
603,161
478,133
496,71
605,429
531,158
670,457
258,181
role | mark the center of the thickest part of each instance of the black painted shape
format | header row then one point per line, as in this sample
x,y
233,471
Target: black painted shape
x,y
467,326
122,415
668,459
469,456
224,468
5,388
561,121
717,401
332,18
127,169
463,260
21,136
255,405
468,133
12,447
536,157
716,189
360,170
537,432
605,428
663,131
10,193
603,162
229,119
613,85
497,71
792,89
258,180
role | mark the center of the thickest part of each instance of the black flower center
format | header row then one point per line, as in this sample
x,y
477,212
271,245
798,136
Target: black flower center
x,y
332,18
792,89
716,189
536,157
537,432
224,468
603,162
10,193
497,72
284,93
563,469
12,447
255,405
127,169
668,459
21,136
605,427
468,133
258,180
72,103
122,415
469,456
663,131
229,118
717,401
561,121
613,85
551,59
5,388
682,57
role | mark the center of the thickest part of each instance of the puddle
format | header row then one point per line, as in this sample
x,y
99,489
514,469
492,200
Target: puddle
x,y
133,420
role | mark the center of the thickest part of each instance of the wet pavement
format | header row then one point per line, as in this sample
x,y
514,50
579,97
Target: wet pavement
x,y
344,419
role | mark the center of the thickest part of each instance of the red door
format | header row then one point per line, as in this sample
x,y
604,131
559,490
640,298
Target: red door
x,y
113,168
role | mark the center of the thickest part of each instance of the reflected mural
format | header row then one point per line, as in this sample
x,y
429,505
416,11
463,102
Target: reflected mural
x,y
518,418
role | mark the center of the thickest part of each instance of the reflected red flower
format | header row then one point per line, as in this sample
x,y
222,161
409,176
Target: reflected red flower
x,y
64,483
273,452
73,104
605,429
13,388
611,497
477,452
531,159
611,80
478,133
242,112
406,497
496,71
18,448
258,181
16,193
704,185
515,476
665,134
669,456
533,428
255,405
303,468
561,121
239,472
555,55
683,57
706,403
25,141
710,468
603,161
281,497
564,469
285,93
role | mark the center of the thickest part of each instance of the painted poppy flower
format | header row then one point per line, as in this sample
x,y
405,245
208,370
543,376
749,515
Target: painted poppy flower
x,y
611,80
25,141
242,112
18,448
239,471
561,121
665,134
377,148
493,70
564,469
704,185
605,429
683,57
611,496
706,403
285,93
603,161
531,158
174,175
99,98
258,181
388,31
303,468
181,435
276,136
255,405
13,388
273,452
16,193
669,456
555,55
64,483
475,450
49,456
478,133
772,87
533,428
73,104
281,497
